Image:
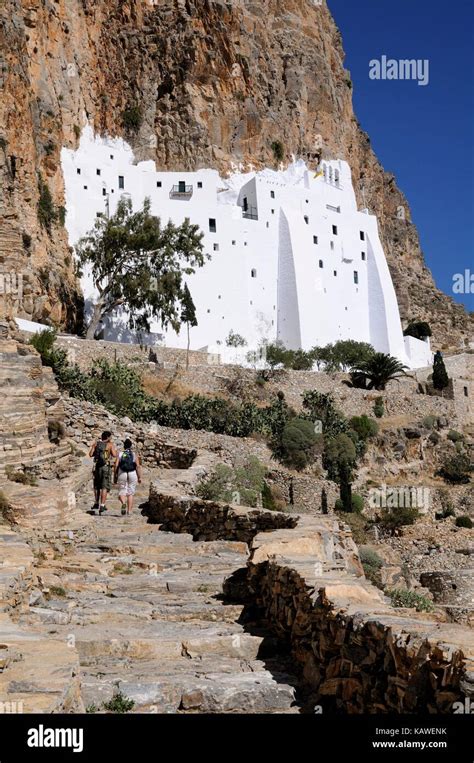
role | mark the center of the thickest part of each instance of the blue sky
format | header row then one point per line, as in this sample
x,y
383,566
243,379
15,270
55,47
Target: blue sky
x,y
424,135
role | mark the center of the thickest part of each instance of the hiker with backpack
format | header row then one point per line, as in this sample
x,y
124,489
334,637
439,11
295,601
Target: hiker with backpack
x,y
103,452
128,474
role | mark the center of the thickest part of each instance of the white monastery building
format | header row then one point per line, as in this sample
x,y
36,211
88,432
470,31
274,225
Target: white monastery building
x,y
292,258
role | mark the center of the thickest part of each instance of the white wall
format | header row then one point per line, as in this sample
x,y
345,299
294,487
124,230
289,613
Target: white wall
x,y
263,280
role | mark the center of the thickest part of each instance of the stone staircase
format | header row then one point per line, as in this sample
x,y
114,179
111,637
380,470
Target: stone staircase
x,y
144,613
38,673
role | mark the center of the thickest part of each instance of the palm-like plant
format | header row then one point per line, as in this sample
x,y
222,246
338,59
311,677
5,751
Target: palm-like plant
x,y
375,372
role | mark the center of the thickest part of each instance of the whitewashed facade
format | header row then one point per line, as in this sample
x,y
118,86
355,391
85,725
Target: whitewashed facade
x,y
292,258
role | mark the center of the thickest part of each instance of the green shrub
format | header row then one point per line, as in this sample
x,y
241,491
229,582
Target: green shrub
x,y
401,597
445,513
47,213
4,506
92,708
370,557
242,485
319,406
357,503
454,436
379,407
119,704
22,477
56,590
456,469
132,118
49,147
235,340
43,342
364,426
298,444
342,355
372,564
273,498
299,360
359,525
394,518
56,430
464,521
77,131
278,150
429,422
434,438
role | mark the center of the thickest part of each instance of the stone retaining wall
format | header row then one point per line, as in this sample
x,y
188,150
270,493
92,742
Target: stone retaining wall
x,y
355,652
205,520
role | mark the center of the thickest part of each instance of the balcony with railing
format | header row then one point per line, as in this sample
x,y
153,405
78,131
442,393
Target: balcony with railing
x,y
181,191
250,213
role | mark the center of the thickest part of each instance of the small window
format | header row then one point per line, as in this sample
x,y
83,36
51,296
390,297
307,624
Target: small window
x,y
158,184
362,254
272,194
315,239
466,392
273,211
356,276
212,225
253,273
334,230
332,245
199,184
306,219
111,156
362,235
245,204
78,170
85,188
216,247
181,186
219,297
335,272
245,243
104,192
268,225
321,264
121,181
208,311
97,172
234,243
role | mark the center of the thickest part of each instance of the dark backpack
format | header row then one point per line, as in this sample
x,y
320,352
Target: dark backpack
x,y
127,461
101,454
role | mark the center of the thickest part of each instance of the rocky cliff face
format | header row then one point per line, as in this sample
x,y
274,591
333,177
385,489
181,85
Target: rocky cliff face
x,y
189,83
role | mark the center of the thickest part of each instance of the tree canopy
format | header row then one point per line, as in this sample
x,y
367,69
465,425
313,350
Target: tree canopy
x,y
138,264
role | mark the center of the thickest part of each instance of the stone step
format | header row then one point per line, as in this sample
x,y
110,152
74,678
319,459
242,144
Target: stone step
x,y
214,692
43,674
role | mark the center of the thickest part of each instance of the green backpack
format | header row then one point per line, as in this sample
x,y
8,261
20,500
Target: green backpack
x,y
101,454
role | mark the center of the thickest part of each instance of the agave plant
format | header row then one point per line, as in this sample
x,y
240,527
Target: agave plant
x,y
377,371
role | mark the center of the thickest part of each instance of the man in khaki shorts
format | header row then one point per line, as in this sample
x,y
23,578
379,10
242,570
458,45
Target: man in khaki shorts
x,y
128,474
103,452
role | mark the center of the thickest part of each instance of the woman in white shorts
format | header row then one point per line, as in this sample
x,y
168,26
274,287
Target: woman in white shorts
x,y
127,475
